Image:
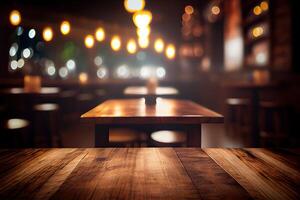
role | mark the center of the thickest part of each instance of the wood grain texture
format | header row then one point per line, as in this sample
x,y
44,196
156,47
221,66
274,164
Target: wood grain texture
x,y
149,173
265,174
134,111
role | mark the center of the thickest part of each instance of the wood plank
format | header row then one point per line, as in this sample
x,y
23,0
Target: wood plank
x,y
25,180
262,179
145,173
209,178
134,111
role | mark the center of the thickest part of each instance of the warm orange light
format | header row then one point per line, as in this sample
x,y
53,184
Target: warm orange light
x,y
15,17
89,41
159,45
100,34
257,10
48,34
65,27
170,51
142,18
215,10
143,32
134,5
115,43
264,5
83,78
189,10
143,42
131,46
257,31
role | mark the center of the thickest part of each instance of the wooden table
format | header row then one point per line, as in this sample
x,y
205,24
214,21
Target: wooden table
x,y
150,173
168,114
150,98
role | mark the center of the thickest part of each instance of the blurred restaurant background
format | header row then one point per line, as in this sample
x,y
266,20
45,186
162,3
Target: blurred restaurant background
x,y
59,59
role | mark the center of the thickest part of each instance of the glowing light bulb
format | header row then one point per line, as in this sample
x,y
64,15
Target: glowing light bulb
x,y
15,17
142,18
89,41
264,5
170,51
143,42
257,10
115,43
159,45
143,32
48,34
131,46
134,5
100,34
189,10
215,10
65,27
257,31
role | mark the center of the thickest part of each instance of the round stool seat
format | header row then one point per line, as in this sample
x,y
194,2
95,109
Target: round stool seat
x,y
169,137
237,101
123,136
46,107
16,123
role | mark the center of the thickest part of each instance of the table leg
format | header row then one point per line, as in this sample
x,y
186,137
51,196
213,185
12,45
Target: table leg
x,y
101,136
194,136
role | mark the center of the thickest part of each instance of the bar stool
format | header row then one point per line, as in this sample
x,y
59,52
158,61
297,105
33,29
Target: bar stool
x,y
14,133
124,137
274,120
167,138
47,125
238,115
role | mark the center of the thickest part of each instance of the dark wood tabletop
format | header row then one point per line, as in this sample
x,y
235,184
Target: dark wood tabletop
x,y
143,91
134,111
149,173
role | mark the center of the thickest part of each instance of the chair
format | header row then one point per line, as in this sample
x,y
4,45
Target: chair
x,y
274,124
46,125
238,115
14,133
168,138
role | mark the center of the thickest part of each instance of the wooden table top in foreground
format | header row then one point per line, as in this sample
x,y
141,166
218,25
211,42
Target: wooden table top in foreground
x,y
149,173
165,111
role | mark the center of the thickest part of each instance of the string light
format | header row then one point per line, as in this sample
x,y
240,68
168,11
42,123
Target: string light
x,y
159,45
257,31
89,41
115,43
131,46
215,10
257,10
65,27
48,34
15,17
142,18
264,5
100,34
134,5
170,51
83,77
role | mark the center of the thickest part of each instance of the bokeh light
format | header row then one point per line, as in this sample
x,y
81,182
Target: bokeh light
x,y
89,41
215,10
100,34
142,18
83,77
143,32
189,10
143,42
31,33
115,43
15,17
159,45
257,10
257,31
48,34
134,5
170,51
65,27
131,46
